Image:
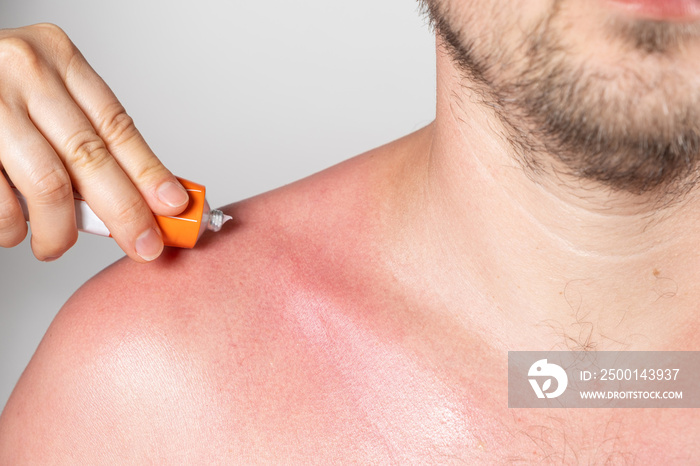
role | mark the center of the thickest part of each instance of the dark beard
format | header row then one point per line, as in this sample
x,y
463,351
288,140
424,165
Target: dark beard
x,y
554,107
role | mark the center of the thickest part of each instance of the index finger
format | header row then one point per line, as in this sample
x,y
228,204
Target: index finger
x,y
158,186
97,176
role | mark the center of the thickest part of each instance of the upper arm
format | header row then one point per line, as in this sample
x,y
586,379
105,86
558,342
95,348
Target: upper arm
x,y
117,378
189,359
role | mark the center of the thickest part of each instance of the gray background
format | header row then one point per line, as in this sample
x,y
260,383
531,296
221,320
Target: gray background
x,y
239,96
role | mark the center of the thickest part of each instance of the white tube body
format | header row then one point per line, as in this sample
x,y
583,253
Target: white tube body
x,y
178,233
85,218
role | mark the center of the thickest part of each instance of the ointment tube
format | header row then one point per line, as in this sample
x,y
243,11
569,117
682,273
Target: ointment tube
x,y
180,231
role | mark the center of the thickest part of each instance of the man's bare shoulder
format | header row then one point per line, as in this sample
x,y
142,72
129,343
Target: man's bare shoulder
x,y
169,360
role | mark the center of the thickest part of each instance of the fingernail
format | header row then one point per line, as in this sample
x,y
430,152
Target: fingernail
x,y
149,245
172,194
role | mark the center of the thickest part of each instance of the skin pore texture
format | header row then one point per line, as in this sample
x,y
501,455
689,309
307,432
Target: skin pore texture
x,y
364,314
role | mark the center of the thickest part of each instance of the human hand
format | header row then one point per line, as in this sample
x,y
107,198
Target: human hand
x,y
62,128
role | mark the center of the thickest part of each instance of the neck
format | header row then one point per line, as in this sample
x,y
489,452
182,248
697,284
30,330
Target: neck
x,y
539,261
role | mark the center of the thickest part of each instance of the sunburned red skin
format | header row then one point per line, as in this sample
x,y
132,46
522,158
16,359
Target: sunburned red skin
x,y
287,338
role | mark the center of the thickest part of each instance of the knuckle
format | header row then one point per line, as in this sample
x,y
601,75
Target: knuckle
x,y
19,54
87,151
53,188
151,170
117,126
28,50
59,46
50,29
54,37
129,210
